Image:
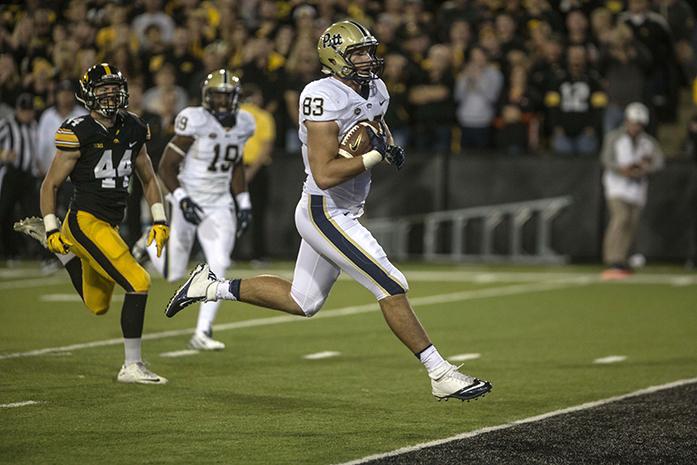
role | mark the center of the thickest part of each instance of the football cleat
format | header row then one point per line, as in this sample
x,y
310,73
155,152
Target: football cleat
x,y
140,249
453,384
203,341
32,227
138,373
199,287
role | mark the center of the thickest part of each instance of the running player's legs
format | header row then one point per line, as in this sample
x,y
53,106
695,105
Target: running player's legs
x,y
96,289
216,234
173,261
350,246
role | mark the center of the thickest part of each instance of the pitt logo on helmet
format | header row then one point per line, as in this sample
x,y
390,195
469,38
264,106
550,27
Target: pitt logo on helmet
x,y
340,43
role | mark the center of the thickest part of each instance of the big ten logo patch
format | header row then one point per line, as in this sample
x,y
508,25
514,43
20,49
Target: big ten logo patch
x,y
332,41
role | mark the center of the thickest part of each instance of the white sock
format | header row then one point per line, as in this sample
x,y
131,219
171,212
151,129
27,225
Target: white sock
x,y
64,258
206,315
431,359
223,290
132,349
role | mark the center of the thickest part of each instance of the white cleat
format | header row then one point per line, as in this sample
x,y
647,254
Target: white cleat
x,y
200,286
138,373
448,382
32,227
202,341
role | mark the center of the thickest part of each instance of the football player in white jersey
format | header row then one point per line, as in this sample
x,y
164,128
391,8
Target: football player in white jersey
x,y
327,215
202,168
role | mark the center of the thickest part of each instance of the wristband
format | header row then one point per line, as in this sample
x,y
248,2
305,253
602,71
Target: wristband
x,y
179,193
51,222
158,213
244,202
371,159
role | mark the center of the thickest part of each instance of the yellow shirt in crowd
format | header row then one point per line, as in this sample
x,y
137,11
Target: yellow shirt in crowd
x,y
265,132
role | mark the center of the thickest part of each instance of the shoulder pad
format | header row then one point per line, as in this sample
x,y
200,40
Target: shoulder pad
x,y
335,98
190,120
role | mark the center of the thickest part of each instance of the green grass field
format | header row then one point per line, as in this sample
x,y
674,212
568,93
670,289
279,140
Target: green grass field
x,y
538,331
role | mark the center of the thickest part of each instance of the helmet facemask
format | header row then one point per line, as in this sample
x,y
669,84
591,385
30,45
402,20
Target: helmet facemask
x,y
108,103
364,71
223,104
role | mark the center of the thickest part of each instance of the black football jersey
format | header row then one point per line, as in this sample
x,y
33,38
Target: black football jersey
x,y
103,172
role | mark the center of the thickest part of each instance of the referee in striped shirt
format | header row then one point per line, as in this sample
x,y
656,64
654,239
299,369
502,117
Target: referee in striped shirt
x,y
18,184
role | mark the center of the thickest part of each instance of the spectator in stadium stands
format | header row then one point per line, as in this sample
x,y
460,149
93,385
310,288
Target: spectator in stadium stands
x,y
65,107
541,10
159,138
185,63
165,81
415,44
431,99
154,55
257,157
625,64
577,33
507,33
516,125
63,58
386,33
575,104
629,156
153,15
301,68
652,30
213,58
489,42
460,40
477,90
128,63
10,84
118,31
38,83
396,79
601,25
18,184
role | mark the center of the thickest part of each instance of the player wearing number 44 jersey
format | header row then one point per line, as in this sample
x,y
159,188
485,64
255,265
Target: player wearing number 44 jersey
x,y
202,168
99,151
327,215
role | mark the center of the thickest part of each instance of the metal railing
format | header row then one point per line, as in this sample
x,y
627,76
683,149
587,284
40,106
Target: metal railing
x,y
444,234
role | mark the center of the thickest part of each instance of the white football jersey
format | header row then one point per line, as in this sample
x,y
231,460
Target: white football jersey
x,y
329,99
207,168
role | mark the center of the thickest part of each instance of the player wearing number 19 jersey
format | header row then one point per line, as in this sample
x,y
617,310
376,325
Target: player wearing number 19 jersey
x,y
202,167
99,151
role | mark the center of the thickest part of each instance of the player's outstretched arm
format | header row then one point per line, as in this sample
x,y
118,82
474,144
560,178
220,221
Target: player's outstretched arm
x,y
329,169
238,187
174,153
151,191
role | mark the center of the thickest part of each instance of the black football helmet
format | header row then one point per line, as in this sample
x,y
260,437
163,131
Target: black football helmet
x,y
106,104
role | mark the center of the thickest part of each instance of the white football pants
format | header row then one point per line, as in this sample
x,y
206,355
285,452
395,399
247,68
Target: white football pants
x,y
332,241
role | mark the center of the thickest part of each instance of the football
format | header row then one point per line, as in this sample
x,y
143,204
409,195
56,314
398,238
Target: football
x,y
357,141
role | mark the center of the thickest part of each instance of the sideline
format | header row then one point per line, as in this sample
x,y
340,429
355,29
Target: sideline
x,y
536,418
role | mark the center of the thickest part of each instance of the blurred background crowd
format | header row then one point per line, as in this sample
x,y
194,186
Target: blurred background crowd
x,y
504,77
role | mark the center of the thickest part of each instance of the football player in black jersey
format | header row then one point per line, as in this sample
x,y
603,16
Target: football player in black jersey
x,y
98,152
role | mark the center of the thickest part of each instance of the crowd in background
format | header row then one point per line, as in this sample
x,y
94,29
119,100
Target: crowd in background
x,y
465,76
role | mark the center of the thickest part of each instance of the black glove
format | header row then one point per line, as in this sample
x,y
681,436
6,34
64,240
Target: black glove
x,y
396,156
192,212
244,219
378,141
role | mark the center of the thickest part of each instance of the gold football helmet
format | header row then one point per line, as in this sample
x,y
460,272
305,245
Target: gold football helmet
x,y
220,94
339,42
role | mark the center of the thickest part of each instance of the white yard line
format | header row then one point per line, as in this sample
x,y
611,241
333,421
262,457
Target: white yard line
x,y
339,312
533,419
463,357
179,353
610,359
321,355
19,404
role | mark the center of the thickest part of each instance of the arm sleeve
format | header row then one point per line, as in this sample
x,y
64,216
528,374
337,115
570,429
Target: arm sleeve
x,y
66,138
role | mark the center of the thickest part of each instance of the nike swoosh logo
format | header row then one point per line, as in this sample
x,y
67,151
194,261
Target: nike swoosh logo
x,y
354,146
382,101
132,144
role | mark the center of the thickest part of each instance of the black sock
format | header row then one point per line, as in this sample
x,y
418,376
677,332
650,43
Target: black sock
x,y
74,269
234,288
133,314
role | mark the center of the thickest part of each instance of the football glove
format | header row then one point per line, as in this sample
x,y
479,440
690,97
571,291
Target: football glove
x,y
55,242
159,232
395,156
191,211
378,141
244,219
